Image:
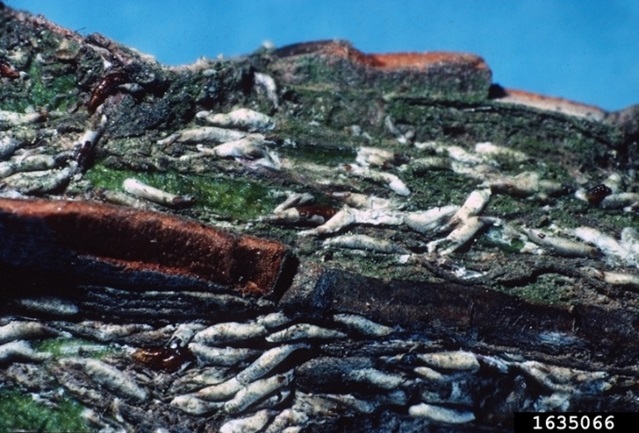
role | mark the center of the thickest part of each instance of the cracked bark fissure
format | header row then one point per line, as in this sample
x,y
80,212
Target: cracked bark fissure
x,y
446,274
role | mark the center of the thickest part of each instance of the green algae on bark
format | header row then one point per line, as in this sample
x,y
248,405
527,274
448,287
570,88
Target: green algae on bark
x,y
240,199
63,347
21,411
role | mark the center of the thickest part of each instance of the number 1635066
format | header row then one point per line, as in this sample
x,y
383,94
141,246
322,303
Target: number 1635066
x,y
571,422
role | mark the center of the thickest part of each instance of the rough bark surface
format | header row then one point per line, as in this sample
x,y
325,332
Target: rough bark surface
x,y
308,238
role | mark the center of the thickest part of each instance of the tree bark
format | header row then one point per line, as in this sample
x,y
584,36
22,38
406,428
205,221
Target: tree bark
x,y
377,242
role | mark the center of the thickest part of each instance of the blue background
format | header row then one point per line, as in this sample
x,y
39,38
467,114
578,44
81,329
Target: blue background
x,y
584,50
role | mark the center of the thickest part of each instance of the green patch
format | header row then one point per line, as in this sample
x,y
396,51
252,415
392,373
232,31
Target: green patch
x,y
49,92
321,155
548,289
496,238
19,411
509,164
240,199
363,262
612,220
64,347
318,144
507,207
438,188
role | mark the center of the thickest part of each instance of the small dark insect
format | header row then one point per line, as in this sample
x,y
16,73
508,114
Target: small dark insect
x,y
164,358
84,155
597,193
105,88
316,214
7,71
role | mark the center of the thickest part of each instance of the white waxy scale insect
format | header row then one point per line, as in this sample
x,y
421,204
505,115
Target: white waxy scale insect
x,y
292,215
373,156
8,145
364,242
273,320
430,374
391,180
221,391
378,217
226,356
459,154
343,218
523,185
474,204
614,182
49,305
229,332
92,135
460,236
295,199
115,380
490,149
495,363
257,390
362,325
267,362
204,134
184,333
29,163
564,379
249,424
20,350
630,239
481,172
266,84
252,146
559,245
124,199
40,182
377,378
192,405
606,243
457,360
431,220
142,190
284,420
23,330
109,331
620,200
363,201
465,221
13,118
195,379
304,331
242,118
441,414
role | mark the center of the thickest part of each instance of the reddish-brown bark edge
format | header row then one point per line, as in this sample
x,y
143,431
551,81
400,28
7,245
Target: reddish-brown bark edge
x,y
80,237
383,61
423,61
